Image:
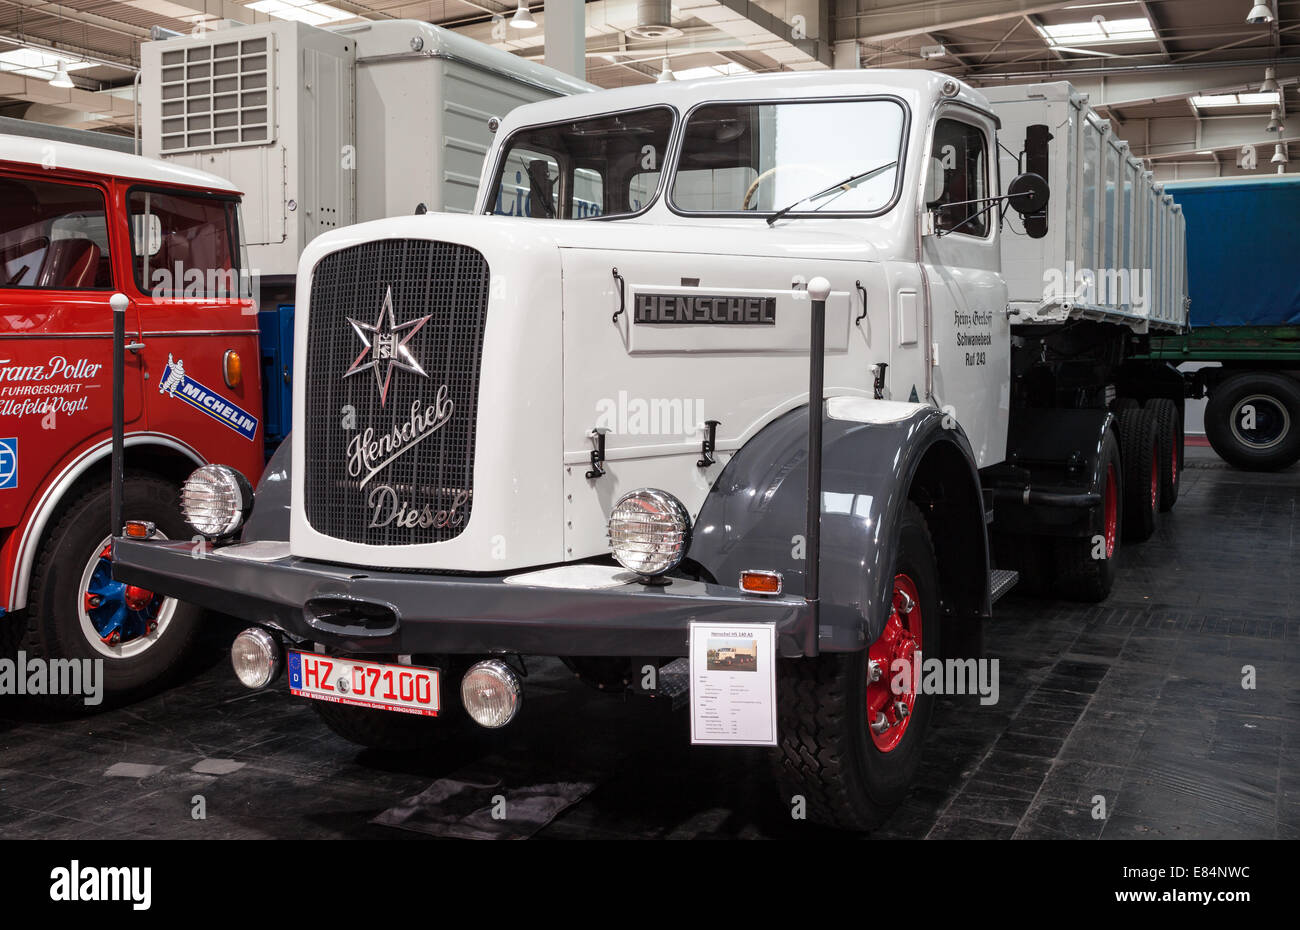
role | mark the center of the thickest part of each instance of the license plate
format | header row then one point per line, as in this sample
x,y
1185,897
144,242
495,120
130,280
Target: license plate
x,y
378,685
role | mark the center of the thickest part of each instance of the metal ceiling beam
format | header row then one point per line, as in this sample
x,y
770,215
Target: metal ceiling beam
x,y
60,11
1155,27
899,20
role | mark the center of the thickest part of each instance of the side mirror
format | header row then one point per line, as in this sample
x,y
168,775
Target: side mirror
x,y
1028,193
936,183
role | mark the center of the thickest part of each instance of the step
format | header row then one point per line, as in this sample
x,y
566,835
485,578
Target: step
x,y
1000,582
675,682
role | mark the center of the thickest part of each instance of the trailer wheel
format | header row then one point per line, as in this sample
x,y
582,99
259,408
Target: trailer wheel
x,y
850,747
76,610
1170,424
1086,566
1253,420
1139,436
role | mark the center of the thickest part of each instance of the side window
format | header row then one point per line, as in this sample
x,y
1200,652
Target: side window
x,y
184,245
53,236
530,185
961,154
588,192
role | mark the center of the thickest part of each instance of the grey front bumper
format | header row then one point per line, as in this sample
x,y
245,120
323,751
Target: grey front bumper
x,y
367,611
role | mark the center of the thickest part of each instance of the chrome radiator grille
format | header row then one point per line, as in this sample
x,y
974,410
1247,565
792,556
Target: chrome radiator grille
x,y
394,345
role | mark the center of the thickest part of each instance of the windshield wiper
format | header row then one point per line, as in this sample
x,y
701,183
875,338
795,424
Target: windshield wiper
x,y
842,185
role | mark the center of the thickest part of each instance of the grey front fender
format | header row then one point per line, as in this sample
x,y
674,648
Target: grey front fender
x,y
755,515
270,517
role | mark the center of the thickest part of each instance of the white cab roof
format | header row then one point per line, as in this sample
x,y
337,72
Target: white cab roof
x,y
913,85
47,154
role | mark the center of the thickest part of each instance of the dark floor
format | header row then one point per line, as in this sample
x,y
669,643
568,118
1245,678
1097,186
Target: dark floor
x,y
1139,701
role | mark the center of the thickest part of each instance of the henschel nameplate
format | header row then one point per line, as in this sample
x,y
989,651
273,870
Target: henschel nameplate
x,y
705,308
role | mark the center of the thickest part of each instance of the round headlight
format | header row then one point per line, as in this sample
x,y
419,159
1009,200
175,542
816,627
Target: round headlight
x,y
491,693
649,531
255,656
215,500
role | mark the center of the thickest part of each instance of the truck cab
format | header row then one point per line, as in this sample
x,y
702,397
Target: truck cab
x,y
78,225
729,359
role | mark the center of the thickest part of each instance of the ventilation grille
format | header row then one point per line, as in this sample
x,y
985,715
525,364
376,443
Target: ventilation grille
x,y
217,95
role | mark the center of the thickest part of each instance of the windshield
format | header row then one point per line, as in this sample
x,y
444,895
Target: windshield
x,y
601,166
763,157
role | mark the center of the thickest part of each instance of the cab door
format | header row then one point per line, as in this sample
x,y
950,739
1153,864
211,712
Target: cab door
x,y
198,324
969,334
56,328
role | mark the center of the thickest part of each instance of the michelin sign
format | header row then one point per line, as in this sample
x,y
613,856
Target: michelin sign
x,y
180,386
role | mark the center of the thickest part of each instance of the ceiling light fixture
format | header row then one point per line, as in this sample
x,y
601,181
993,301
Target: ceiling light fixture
x,y
1246,99
1259,13
1275,123
522,18
666,74
1279,155
1270,82
61,78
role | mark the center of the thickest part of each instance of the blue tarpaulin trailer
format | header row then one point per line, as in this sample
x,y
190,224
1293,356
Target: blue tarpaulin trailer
x,y
1245,315
1241,249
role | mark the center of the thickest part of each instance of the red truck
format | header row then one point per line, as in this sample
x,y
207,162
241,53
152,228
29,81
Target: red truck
x,y
78,225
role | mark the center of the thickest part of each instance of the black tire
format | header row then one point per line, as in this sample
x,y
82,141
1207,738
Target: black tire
x,y
1264,437
826,753
1169,419
380,729
1086,566
53,622
1139,436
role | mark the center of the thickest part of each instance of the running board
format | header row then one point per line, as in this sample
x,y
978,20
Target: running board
x,y
1000,582
675,682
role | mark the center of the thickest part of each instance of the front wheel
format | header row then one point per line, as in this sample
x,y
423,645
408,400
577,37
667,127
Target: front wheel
x,y
76,610
850,743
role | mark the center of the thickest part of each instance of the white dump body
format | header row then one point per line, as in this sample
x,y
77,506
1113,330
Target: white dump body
x,y
322,128
1115,248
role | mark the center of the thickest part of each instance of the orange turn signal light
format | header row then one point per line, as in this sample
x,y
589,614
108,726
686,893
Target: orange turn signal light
x,y
760,582
139,529
232,368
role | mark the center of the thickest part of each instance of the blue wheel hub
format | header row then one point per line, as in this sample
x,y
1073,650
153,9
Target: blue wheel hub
x,y
119,612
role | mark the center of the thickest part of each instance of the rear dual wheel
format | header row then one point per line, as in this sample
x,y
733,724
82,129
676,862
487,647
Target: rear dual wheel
x,y
849,743
1139,436
1086,565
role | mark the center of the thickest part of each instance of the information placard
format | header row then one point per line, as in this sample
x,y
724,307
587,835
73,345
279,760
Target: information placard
x,y
733,684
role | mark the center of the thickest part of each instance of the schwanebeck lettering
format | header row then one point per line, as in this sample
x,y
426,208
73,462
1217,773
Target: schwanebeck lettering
x,y
369,454
705,308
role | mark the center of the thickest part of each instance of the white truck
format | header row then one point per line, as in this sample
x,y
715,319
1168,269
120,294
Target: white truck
x,y
581,433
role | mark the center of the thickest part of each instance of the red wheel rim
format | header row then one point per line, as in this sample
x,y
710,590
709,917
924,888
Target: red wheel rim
x,y
1173,460
1112,510
889,714
1155,477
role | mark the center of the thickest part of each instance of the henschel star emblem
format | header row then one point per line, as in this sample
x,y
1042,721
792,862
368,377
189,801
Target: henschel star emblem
x,y
386,350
